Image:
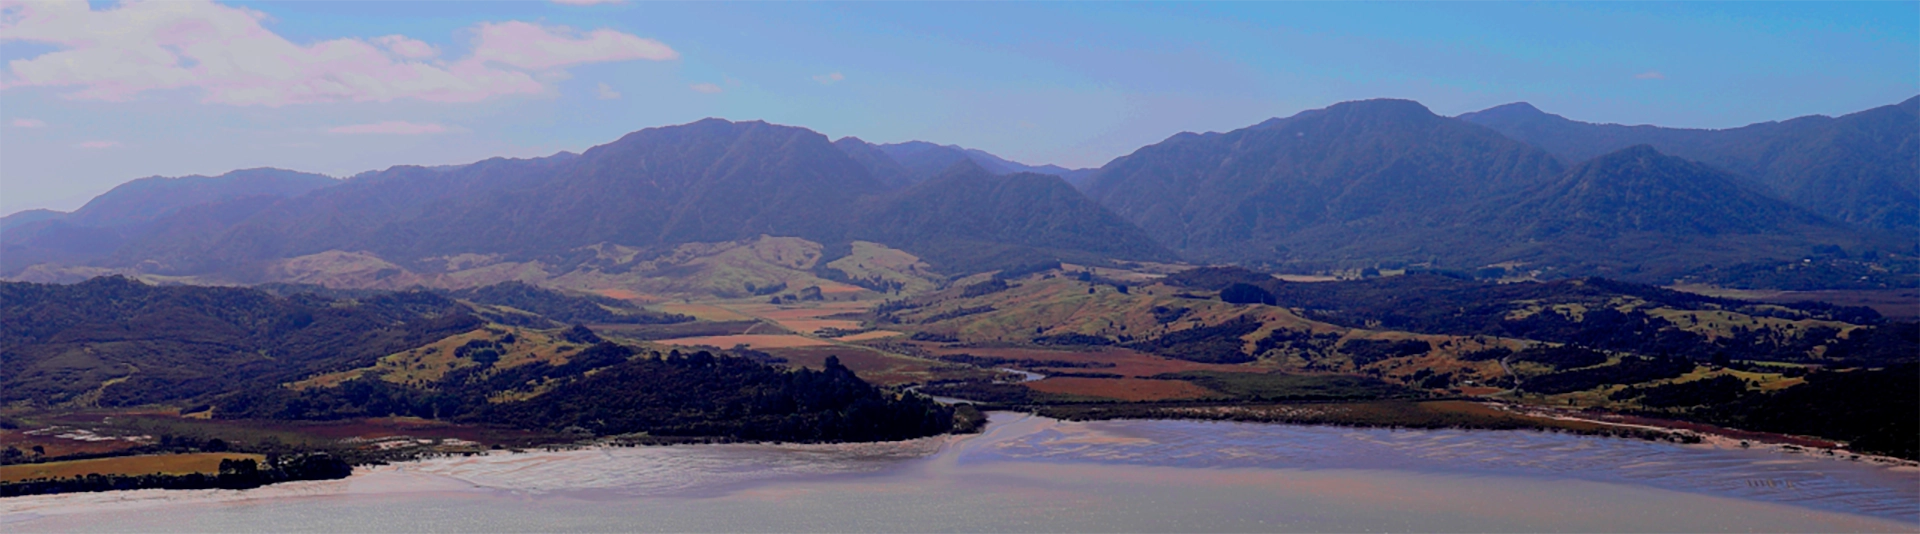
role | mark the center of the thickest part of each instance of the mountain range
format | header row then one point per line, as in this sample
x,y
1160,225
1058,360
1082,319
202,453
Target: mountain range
x,y
1858,168
1366,184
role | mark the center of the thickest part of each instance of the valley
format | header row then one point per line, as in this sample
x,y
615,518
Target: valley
x,y
1370,264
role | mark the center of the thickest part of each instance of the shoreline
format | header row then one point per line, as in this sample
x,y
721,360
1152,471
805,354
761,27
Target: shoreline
x,y
662,473
1625,426
395,477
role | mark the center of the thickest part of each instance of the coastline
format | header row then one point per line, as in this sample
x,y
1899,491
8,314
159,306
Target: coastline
x,y
705,476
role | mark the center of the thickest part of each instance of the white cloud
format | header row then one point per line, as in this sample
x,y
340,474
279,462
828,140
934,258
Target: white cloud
x,y
389,128
1650,75
706,88
28,123
606,92
536,47
829,78
98,144
407,47
117,53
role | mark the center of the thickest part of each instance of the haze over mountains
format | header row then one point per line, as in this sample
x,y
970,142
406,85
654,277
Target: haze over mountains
x,y
1858,168
1379,183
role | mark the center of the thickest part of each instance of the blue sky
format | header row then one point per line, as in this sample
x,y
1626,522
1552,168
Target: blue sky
x,y
1074,84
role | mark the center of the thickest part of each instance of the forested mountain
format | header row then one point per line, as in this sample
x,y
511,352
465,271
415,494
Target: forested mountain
x,y
711,180
1302,187
148,209
1642,214
1378,183
916,161
147,199
1859,168
704,182
29,216
971,218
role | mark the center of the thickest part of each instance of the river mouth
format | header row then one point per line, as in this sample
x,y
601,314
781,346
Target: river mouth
x,y
1029,473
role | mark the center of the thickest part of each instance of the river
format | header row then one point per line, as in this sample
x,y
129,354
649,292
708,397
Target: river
x,y
1030,473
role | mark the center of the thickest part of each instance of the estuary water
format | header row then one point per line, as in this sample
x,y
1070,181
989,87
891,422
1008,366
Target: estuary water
x,y
1033,474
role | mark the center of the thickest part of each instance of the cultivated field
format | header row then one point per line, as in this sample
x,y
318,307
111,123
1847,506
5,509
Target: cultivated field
x,y
159,464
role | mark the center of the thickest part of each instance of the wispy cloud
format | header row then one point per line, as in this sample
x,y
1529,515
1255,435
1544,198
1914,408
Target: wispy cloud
x,y
389,128
606,92
706,88
1650,75
829,78
27,123
98,144
119,52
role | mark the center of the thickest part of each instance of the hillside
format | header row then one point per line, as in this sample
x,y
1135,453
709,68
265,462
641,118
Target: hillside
x,y
1645,215
154,209
1856,168
118,342
1300,188
917,161
147,199
969,220
707,181
248,354
647,195
1240,341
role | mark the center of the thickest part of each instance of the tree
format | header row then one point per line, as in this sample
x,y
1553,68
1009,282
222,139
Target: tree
x,y
1240,293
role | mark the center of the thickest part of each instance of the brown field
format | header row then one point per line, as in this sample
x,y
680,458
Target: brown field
x,y
1126,389
1127,362
170,464
625,294
807,319
58,446
756,341
864,336
1901,304
694,329
312,433
869,364
704,312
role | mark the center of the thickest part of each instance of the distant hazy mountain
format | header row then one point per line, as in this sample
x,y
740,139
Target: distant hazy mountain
x,y
704,182
147,199
711,180
1641,214
1860,168
1302,187
917,161
878,162
970,216
147,208
29,216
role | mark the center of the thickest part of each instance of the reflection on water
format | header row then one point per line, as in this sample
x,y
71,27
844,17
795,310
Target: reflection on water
x,y
1035,474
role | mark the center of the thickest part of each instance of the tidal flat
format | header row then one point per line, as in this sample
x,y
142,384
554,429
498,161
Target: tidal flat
x,y
1030,473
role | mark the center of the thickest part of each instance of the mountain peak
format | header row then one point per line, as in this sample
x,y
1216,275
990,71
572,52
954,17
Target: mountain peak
x,y
1382,107
1505,115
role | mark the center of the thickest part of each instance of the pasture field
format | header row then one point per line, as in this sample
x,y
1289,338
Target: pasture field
x,y
876,366
1126,389
1126,362
157,464
754,341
